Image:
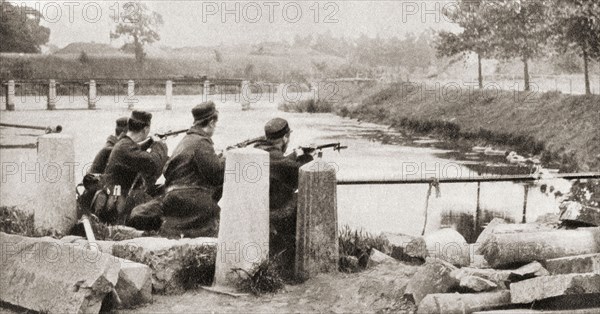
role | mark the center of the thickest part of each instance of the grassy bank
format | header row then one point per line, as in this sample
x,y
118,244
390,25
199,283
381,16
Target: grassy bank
x,y
562,129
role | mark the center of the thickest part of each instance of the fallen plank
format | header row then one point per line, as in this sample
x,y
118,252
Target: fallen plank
x,y
501,250
449,303
49,276
588,263
545,287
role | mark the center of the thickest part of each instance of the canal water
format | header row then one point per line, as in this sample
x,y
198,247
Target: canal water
x,y
373,208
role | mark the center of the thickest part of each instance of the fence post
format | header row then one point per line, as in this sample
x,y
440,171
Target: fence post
x,y
55,208
526,192
92,95
243,239
246,95
317,247
314,90
10,95
169,94
51,103
206,90
130,94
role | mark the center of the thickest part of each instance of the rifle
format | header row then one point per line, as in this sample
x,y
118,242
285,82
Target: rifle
x,y
246,143
310,149
170,133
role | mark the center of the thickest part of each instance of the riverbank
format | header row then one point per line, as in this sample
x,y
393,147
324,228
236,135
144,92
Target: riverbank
x,y
562,130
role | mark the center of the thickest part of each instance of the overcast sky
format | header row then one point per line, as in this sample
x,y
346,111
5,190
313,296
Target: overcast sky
x,y
207,23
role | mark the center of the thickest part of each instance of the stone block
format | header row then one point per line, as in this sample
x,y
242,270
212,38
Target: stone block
x,y
55,208
449,303
168,258
433,277
399,242
502,250
588,263
134,286
47,275
317,243
243,239
533,269
498,277
477,284
377,257
446,244
545,287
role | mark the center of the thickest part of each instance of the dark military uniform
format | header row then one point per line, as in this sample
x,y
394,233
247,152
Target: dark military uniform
x,y
101,159
126,162
128,159
192,176
282,197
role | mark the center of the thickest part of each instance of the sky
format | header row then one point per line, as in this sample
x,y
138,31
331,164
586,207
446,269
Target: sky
x,y
229,22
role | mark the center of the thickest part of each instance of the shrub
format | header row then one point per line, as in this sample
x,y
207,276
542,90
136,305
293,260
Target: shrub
x,y
308,105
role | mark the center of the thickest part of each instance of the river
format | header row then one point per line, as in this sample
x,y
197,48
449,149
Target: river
x,y
374,208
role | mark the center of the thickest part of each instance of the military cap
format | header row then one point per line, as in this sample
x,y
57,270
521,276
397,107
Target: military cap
x,y
122,122
204,111
276,128
141,117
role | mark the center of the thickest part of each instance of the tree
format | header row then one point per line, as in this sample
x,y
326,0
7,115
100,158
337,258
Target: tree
x,y
474,37
518,29
140,24
576,27
20,29
84,58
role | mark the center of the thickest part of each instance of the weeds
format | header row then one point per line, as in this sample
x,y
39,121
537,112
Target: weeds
x,y
263,278
359,244
197,270
13,221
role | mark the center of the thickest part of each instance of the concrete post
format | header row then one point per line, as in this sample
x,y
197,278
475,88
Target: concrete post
x,y
244,223
130,94
51,104
316,227
169,95
92,95
56,209
314,90
10,95
206,90
246,95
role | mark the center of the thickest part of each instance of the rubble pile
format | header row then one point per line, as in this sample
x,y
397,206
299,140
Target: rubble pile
x,y
512,267
45,274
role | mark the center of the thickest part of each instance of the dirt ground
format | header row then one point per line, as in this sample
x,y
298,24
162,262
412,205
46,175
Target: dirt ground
x,y
376,290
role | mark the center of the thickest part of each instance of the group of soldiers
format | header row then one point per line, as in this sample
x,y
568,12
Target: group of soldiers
x,y
121,184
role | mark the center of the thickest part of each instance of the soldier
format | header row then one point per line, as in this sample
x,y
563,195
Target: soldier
x,y
101,158
192,176
130,163
282,187
91,180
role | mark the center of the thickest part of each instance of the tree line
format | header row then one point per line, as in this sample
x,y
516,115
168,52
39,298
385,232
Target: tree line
x,y
523,29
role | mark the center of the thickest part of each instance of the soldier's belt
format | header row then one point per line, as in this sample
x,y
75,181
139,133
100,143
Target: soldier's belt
x,y
188,187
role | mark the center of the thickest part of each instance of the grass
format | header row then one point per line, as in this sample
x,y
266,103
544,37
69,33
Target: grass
x,y
359,244
263,278
197,270
561,129
13,221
